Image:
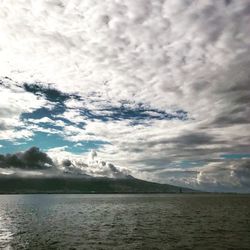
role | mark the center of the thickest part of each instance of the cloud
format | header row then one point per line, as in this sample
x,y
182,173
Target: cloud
x,y
31,159
226,176
14,101
159,82
92,155
87,165
58,162
147,49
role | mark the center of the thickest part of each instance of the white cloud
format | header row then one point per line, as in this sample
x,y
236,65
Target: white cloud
x,y
90,164
14,101
227,176
165,46
169,55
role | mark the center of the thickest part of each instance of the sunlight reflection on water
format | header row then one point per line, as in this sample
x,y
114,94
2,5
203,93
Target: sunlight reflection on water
x,y
5,234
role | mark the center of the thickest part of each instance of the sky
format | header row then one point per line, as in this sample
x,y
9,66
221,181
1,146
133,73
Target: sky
x,y
158,89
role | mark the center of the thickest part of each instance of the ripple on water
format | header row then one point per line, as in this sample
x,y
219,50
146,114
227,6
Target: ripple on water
x,y
124,222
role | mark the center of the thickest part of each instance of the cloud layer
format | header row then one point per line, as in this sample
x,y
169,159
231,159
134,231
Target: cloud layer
x,y
159,87
33,159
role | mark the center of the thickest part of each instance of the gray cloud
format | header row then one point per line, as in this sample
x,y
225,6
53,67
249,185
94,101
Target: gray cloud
x,y
92,166
32,159
3,126
37,162
226,176
95,169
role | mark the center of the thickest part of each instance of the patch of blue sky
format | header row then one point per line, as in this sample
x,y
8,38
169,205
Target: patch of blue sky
x,y
11,146
44,112
53,114
136,113
190,163
47,141
236,156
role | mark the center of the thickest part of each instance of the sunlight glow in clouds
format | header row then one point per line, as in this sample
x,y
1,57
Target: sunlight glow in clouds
x,y
151,85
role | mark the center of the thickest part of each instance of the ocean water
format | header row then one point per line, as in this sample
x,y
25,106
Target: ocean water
x,y
171,221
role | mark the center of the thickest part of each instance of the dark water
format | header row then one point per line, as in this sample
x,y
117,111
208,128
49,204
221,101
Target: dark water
x,y
125,221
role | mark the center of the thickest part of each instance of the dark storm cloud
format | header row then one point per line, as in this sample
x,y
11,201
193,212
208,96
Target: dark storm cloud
x,y
33,158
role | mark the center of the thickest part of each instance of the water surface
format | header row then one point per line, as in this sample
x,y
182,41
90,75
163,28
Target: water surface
x,y
180,221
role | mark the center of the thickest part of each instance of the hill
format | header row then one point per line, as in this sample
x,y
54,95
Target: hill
x,y
12,185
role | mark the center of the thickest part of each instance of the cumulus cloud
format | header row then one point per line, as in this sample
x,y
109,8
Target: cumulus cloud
x,y
87,165
92,155
226,176
35,162
14,101
31,159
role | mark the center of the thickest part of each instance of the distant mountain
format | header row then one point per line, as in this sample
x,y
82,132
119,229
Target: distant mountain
x,y
14,184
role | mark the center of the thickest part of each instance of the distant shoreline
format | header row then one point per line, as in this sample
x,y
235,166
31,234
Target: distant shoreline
x,y
70,185
119,193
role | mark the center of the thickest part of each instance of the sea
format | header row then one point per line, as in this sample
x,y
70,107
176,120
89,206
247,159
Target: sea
x,y
140,221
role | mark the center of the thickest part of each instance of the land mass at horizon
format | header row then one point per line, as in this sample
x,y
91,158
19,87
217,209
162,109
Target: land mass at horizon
x,y
62,184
